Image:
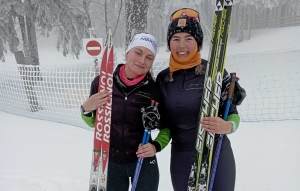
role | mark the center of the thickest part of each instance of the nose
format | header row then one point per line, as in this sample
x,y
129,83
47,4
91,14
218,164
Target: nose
x,y
142,59
181,43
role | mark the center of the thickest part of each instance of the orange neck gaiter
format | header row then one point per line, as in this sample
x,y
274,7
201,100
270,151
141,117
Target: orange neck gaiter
x,y
177,63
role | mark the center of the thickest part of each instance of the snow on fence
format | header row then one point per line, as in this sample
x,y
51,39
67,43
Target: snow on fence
x,y
55,93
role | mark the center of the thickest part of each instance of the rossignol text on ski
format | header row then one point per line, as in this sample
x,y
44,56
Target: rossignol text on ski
x,y
100,158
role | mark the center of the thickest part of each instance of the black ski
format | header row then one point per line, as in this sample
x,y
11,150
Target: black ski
x,y
201,163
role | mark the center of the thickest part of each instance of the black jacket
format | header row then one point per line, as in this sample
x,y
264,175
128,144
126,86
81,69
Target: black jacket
x,y
127,130
180,104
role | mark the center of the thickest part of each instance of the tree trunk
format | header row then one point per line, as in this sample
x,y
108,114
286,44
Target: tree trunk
x,y
1,51
267,18
25,39
31,34
283,15
234,23
30,75
89,20
27,74
12,39
240,24
249,21
136,12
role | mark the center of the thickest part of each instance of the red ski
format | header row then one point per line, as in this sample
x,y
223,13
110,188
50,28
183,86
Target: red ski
x,y
107,113
102,121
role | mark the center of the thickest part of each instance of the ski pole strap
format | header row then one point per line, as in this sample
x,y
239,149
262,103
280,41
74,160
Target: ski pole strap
x,y
239,93
151,116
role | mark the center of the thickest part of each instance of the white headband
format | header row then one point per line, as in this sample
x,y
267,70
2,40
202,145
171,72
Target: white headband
x,y
144,40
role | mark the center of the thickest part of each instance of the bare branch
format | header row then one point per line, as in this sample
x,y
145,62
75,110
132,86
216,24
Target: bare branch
x,y
118,17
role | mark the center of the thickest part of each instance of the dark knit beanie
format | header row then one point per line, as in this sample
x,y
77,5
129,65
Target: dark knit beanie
x,y
188,25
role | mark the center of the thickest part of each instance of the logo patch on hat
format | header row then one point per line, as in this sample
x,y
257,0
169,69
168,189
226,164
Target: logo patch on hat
x,y
181,23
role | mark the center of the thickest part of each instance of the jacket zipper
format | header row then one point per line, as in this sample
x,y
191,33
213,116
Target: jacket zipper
x,y
183,78
125,100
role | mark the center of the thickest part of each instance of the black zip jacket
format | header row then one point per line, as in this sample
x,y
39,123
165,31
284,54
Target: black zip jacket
x,y
127,130
180,104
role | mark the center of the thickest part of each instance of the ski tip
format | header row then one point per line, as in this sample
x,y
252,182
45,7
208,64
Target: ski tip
x,y
106,39
228,3
110,37
219,5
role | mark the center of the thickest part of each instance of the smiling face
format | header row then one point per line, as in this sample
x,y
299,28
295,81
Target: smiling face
x,y
182,44
139,61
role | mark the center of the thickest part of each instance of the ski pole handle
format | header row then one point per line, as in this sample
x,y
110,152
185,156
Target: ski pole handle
x,y
230,95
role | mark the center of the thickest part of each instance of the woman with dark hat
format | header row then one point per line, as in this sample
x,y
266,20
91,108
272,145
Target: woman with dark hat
x,y
181,89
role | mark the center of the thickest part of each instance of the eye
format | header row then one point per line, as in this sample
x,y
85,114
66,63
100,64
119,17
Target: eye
x,y
150,58
138,53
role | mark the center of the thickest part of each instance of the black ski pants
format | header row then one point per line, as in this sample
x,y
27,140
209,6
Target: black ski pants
x,y
225,175
118,176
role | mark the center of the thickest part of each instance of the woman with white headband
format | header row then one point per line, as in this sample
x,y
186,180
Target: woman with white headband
x,y
133,89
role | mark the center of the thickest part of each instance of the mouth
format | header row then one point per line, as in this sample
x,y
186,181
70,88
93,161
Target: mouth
x,y
182,54
139,66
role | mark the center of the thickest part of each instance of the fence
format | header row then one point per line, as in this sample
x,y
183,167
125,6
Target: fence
x,y
277,22
270,79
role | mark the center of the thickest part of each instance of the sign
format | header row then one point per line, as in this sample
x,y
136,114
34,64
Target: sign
x,y
92,47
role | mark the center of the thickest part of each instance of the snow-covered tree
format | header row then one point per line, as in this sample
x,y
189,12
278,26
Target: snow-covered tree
x,y
69,18
8,34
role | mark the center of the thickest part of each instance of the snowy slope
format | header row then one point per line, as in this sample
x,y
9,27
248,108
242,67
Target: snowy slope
x,y
40,155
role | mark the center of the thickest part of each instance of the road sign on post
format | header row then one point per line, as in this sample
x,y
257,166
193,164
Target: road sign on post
x,y
93,47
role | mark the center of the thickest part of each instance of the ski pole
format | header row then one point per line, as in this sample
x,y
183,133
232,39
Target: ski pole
x,y
149,125
220,139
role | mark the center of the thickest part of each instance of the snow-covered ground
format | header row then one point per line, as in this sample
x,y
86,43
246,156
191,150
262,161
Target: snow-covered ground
x,y
42,155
